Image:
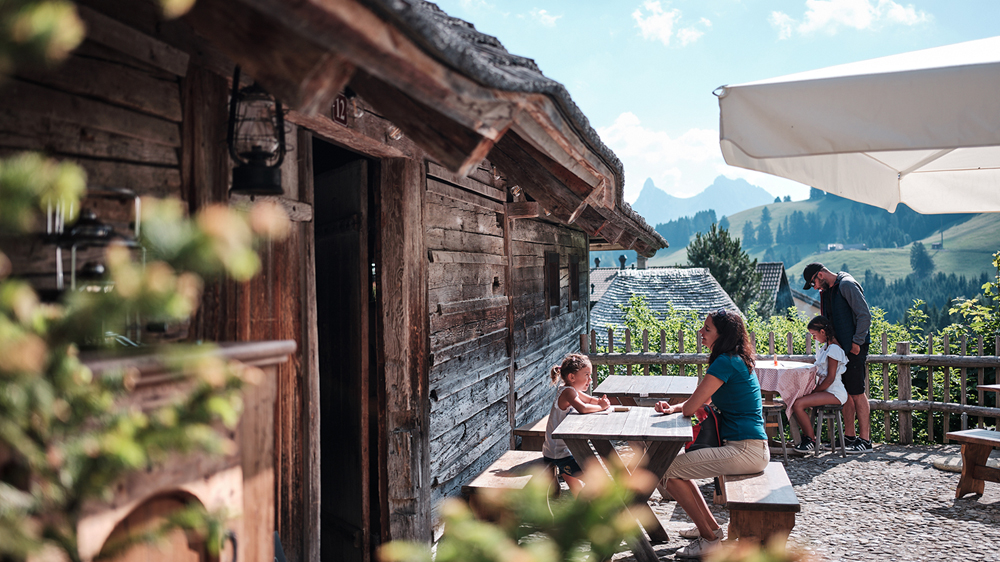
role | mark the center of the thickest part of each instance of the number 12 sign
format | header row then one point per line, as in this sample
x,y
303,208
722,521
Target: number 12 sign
x,y
339,110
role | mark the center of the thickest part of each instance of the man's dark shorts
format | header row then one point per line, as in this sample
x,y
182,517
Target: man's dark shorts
x,y
566,465
854,377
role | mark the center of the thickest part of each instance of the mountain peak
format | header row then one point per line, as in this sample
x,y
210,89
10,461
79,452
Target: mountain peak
x,y
726,196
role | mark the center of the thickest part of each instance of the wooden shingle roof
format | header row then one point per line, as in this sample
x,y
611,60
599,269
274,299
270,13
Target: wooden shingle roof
x,y
680,288
775,292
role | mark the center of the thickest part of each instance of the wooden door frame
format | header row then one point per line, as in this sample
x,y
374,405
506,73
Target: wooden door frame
x,y
404,346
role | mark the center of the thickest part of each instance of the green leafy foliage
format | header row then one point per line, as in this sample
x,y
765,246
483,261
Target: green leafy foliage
x,y
531,526
67,435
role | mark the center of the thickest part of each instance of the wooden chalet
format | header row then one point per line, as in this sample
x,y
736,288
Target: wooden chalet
x,y
445,196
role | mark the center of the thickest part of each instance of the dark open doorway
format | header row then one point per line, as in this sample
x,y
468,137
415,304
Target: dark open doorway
x,y
346,222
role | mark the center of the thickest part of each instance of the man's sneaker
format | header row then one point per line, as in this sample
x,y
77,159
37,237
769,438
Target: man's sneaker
x,y
849,440
860,446
694,533
698,548
806,446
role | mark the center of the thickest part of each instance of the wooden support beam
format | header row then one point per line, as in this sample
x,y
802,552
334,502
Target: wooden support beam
x,y
297,211
454,144
524,210
303,74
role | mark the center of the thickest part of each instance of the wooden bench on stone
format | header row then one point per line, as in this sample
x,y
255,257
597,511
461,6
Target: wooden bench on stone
x,y
976,447
760,505
532,435
512,471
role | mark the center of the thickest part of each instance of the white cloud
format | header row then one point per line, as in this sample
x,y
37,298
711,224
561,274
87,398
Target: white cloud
x,y
543,17
829,16
689,35
658,24
683,165
783,22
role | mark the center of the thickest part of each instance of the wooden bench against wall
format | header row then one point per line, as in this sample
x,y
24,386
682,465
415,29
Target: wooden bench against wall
x,y
532,435
512,471
761,505
976,447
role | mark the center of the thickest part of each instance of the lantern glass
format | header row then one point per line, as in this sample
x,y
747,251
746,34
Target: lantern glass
x,y
256,133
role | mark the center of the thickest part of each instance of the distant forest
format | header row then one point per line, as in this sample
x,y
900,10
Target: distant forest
x,y
801,234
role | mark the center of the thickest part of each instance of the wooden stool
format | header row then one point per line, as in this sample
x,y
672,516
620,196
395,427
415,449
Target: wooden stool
x,y
773,410
830,413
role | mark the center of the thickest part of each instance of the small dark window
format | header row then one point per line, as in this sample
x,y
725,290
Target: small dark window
x,y
551,283
574,281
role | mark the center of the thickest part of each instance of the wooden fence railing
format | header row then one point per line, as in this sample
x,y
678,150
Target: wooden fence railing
x,y
897,368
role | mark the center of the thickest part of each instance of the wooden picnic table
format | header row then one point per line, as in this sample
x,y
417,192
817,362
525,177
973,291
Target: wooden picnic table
x,y
664,436
627,389
976,447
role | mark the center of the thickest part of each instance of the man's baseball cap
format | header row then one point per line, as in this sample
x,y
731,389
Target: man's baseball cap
x,y
811,270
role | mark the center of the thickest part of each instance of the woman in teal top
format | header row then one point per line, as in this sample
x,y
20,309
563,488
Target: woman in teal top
x,y
732,387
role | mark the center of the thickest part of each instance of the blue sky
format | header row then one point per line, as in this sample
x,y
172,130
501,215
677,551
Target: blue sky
x,y
643,71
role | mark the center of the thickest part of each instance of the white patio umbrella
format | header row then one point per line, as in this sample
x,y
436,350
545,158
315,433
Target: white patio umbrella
x,y
920,128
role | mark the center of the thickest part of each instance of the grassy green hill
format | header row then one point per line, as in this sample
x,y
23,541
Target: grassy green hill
x,y
968,246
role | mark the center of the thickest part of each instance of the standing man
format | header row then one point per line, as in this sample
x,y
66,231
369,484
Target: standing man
x,y
843,301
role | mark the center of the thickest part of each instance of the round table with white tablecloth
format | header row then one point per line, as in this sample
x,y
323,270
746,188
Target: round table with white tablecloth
x,y
790,379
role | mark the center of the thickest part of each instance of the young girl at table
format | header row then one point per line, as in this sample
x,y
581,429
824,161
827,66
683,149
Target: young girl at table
x,y
831,363
735,392
573,378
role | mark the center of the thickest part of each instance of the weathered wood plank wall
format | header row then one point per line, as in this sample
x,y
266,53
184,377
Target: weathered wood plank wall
x,y
491,338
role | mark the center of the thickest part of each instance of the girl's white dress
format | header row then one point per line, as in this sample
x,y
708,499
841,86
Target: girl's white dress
x,y
556,448
836,352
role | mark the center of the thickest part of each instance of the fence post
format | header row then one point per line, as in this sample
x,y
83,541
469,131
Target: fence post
x,y
770,343
593,340
680,348
645,349
982,376
611,349
905,392
946,350
753,342
697,338
628,349
886,417
809,344
965,385
789,340
583,344
930,394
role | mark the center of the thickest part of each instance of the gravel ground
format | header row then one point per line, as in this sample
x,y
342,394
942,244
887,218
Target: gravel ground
x,y
890,504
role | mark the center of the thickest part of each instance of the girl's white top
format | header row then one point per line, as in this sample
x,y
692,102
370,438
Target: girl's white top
x,y
556,448
836,352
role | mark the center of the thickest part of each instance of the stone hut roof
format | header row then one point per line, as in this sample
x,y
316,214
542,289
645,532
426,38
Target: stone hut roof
x,y
680,288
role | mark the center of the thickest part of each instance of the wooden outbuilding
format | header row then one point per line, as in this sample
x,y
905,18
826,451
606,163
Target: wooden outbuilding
x,y
444,194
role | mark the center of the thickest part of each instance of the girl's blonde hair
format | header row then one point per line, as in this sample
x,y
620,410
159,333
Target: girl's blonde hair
x,y
570,364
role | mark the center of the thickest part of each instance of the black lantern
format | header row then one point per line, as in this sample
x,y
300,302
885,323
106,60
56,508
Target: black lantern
x,y
256,139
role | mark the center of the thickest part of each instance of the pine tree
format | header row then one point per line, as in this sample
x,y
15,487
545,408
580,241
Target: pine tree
x,y
724,223
749,238
920,260
728,263
764,236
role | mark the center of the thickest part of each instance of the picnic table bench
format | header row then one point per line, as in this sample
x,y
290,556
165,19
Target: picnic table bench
x,y
512,471
532,434
976,447
760,505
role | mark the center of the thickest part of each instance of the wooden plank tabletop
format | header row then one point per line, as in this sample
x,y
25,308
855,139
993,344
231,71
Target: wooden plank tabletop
x,y
655,386
979,436
637,424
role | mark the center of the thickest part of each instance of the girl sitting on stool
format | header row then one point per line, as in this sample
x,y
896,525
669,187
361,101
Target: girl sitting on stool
x,y
831,363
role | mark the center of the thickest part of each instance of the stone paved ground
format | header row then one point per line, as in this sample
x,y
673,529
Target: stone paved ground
x,y
889,505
